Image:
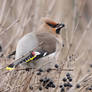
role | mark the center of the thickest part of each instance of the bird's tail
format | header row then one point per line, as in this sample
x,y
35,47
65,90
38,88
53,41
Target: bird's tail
x,y
10,67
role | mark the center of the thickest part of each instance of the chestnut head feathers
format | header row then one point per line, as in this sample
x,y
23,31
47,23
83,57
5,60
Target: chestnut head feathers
x,y
55,27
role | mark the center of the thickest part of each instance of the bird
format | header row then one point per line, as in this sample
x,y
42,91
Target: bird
x,y
37,44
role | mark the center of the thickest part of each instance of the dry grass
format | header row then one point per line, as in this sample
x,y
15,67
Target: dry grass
x,y
18,17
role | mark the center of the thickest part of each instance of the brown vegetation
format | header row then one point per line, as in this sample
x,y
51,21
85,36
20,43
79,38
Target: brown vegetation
x,y
18,17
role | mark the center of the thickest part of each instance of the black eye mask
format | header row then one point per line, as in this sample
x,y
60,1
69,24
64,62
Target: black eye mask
x,y
53,25
57,26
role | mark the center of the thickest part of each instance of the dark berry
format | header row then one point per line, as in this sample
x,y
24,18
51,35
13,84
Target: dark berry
x,y
78,86
44,84
41,80
89,88
64,79
62,89
1,55
70,79
91,65
65,85
56,66
40,70
0,48
30,87
69,85
51,82
49,69
45,81
61,86
47,87
70,57
27,69
62,45
68,74
40,88
38,73
53,85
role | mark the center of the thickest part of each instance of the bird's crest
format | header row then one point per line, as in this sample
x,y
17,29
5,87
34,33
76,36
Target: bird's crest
x,y
53,25
49,22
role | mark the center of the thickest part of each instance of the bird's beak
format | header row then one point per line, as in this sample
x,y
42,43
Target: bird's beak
x,y
58,28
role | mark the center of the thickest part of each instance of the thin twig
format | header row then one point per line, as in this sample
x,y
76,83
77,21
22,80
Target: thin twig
x,y
74,19
16,21
2,10
83,35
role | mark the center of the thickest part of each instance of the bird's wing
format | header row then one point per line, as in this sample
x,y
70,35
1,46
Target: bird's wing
x,y
31,56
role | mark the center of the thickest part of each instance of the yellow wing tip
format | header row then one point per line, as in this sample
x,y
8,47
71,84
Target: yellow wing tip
x,y
9,68
30,59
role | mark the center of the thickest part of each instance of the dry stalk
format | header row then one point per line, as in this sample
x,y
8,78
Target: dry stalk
x,y
83,35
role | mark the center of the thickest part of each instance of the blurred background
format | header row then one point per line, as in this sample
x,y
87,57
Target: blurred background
x,y
19,17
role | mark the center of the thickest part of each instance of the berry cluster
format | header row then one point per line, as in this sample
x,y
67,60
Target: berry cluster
x,y
47,83
48,70
66,83
39,71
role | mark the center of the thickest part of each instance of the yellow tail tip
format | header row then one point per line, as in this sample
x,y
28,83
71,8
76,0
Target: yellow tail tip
x,y
9,68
